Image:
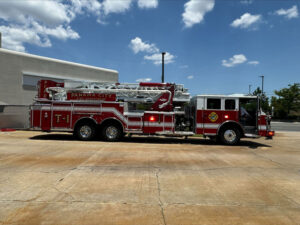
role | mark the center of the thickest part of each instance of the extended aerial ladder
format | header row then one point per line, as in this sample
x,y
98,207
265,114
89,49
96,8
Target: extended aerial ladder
x,y
129,92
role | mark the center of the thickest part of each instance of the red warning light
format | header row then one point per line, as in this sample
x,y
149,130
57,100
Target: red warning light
x,y
226,117
152,119
271,133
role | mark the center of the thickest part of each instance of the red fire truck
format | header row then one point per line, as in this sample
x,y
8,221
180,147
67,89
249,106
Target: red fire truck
x,y
113,110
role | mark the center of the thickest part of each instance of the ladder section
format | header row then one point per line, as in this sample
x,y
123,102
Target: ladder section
x,y
142,92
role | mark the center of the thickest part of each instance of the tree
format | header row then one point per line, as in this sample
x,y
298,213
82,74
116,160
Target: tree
x,y
264,100
288,100
289,97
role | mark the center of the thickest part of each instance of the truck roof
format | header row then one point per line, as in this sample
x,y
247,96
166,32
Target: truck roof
x,y
228,96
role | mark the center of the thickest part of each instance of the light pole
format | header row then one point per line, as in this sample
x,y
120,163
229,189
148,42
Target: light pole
x,y
262,84
262,91
163,67
250,89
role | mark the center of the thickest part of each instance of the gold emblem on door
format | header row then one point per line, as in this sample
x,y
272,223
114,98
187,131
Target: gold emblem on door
x,y
213,117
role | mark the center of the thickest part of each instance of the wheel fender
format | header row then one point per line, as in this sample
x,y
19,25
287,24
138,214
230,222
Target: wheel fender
x,y
90,119
114,120
231,123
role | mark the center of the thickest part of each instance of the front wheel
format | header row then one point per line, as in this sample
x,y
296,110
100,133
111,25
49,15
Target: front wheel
x,y
112,132
85,131
230,136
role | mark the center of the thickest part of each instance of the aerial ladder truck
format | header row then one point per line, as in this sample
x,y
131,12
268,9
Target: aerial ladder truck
x,y
112,110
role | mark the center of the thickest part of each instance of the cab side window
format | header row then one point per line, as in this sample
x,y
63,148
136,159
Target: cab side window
x,y
213,103
229,104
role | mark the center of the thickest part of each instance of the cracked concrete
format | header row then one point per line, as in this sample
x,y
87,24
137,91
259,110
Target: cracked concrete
x,y
53,179
160,202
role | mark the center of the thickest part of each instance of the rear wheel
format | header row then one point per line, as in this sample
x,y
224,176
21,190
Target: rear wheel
x,y
230,136
85,131
112,132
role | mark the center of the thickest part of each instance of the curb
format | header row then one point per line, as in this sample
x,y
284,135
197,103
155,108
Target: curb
x,y
7,130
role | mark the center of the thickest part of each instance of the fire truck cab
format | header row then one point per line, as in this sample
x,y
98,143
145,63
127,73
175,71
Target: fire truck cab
x,y
113,110
229,117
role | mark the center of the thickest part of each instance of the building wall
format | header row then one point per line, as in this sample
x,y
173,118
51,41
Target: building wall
x,y
19,72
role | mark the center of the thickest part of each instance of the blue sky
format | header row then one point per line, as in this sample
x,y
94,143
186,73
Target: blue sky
x,y
214,46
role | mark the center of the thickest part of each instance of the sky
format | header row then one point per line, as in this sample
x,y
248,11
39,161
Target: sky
x,y
212,46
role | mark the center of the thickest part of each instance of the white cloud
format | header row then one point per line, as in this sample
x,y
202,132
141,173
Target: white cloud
x,y
157,58
46,19
247,2
59,32
253,63
195,10
116,6
144,80
92,6
190,77
183,66
238,59
234,60
288,13
15,37
47,12
34,22
246,20
120,6
137,45
144,4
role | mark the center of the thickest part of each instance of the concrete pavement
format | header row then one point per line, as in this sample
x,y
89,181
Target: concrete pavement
x,y
53,179
285,126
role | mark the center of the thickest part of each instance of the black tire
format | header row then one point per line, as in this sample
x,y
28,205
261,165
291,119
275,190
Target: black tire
x,y
112,132
213,138
85,131
230,136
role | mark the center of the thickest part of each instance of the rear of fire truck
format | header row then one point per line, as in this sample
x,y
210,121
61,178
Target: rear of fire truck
x,y
111,110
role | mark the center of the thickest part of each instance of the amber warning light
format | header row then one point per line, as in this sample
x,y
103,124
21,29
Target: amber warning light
x,y
271,133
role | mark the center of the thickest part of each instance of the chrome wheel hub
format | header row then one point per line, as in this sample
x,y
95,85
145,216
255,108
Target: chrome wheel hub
x,y
85,131
230,135
111,132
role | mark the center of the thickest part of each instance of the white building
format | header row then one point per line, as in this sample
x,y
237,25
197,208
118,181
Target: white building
x,y
20,72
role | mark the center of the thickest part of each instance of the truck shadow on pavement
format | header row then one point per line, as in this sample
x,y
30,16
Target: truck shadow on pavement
x,y
152,140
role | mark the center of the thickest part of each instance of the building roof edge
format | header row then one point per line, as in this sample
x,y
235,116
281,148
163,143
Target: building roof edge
x,y
56,60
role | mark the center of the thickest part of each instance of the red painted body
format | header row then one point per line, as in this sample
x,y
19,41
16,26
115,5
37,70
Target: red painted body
x,y
160,118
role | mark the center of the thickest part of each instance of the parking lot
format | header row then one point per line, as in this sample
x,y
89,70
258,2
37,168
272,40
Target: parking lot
x,y
54,179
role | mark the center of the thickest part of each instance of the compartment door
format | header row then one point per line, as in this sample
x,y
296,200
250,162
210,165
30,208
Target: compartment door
x,y
134,122
153,123
168,123
46,117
